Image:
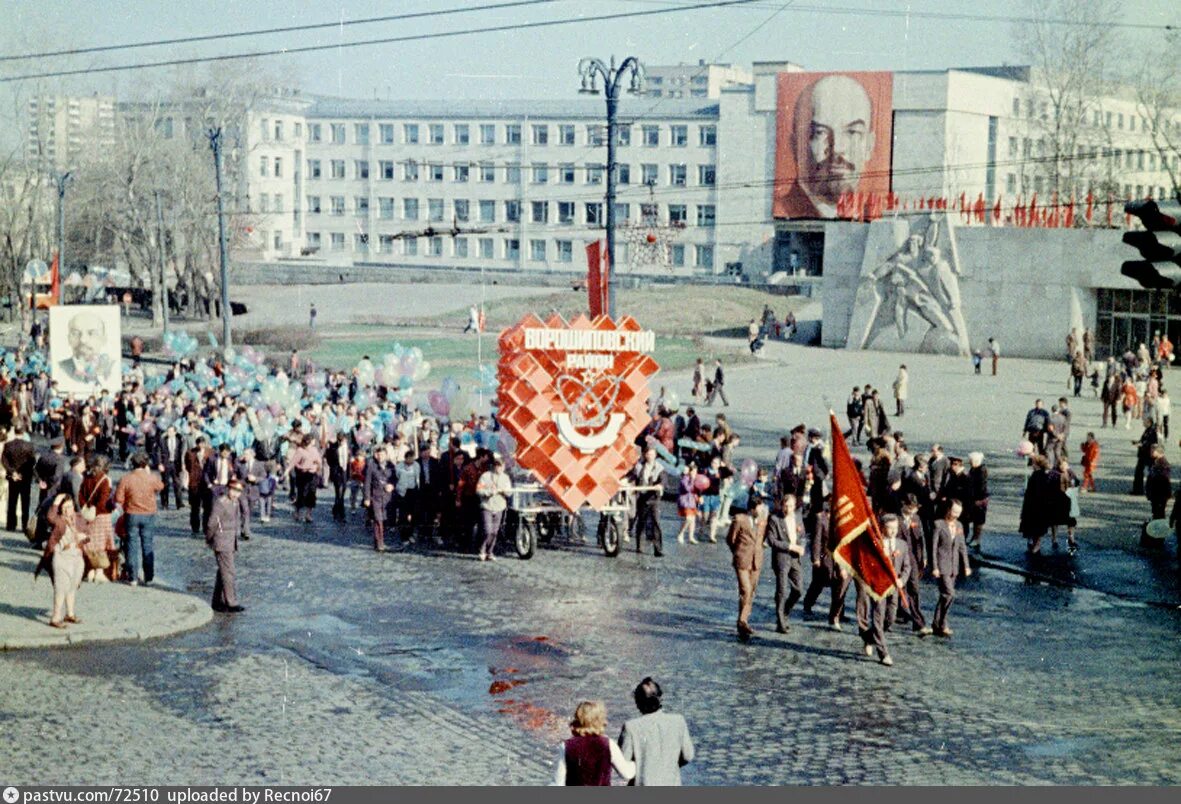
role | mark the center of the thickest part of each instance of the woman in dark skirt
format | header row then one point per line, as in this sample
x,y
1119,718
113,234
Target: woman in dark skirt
x,y
976,506
307,463
1035,506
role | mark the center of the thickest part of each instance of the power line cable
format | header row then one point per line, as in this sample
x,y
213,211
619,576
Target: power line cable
x,y
520,26
187,40
950,15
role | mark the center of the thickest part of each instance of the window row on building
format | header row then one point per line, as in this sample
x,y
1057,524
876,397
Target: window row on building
x,y
1040,184
1032,109
485,248
676,135
463,210
1130,159
679,174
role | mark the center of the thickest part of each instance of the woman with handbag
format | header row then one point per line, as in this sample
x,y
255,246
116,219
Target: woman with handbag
x,y
63,556
95,497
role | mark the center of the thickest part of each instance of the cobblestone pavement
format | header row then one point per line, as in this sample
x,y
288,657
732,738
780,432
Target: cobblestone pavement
x,y
430,667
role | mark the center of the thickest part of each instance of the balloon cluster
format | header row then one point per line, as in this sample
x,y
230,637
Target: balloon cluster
x,y
280,395
179,345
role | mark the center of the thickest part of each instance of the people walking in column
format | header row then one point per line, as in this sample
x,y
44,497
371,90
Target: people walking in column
x,y
784,535
493,489
882,613
950,560
221,534
745,540
136,494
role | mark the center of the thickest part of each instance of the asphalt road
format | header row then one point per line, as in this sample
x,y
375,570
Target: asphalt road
x,y
429,667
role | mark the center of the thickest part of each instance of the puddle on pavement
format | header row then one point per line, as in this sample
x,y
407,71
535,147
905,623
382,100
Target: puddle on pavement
x,y
1062,746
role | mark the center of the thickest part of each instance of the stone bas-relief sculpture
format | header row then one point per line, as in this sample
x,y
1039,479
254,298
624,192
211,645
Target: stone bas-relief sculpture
x,y
917,283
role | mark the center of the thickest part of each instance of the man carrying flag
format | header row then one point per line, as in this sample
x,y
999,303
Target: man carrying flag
x,y
855,535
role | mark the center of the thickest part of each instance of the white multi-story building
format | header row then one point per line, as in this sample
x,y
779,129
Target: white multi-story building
x,y
505,185
700,80
62,131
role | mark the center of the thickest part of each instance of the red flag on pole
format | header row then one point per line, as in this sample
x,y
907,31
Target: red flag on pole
x,y
996,212
855,529
1090,216
55,280
597,272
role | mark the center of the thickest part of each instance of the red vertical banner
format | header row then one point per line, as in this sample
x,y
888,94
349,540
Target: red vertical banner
x,y
598,271
594,278
55,280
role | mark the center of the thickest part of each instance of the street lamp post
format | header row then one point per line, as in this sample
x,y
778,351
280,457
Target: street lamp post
x,y
61,180
215,143
591,70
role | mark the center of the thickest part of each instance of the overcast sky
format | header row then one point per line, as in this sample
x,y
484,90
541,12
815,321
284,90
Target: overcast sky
x,y
531,64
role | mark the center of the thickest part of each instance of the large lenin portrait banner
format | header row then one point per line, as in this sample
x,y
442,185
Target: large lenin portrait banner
x,y
833,140
574,397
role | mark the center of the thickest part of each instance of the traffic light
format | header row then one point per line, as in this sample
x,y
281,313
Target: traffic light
x,y
1159,244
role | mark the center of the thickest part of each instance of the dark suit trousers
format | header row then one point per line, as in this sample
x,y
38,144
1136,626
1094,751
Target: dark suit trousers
x,y
946,595
818,583
918,620
881,617
225,590
19,490
171,481
648,524
839,587
787,576
195,504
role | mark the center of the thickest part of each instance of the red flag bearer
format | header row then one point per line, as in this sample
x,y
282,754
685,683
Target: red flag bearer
x,y
859,549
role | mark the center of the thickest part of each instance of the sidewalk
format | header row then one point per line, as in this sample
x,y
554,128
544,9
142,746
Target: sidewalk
x,y
109,611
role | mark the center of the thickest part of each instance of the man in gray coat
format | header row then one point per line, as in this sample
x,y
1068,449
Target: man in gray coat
x,y
221,534
657,741
949,558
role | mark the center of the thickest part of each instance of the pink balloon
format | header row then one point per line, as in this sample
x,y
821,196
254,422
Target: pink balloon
x,y
439,403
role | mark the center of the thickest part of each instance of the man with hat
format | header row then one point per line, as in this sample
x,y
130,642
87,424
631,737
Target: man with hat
x,y
221,534
957,485
816,465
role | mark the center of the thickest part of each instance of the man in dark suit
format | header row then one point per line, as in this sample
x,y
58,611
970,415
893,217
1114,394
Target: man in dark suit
x,y
51,467
817,465
19,460
168,455
783,534
216,475
949,558
882,612
825,572
221,534
435,481
911,533
195,459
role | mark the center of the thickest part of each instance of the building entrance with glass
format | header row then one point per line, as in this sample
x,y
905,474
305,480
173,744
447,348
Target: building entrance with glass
x,y
1128,318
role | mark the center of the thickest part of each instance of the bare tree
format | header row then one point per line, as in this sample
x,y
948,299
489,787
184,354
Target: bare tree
x,y
1070,66
1158,100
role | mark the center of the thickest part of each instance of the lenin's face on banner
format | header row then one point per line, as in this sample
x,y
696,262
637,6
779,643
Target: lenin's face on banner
x,y
834,137
87,337
833,141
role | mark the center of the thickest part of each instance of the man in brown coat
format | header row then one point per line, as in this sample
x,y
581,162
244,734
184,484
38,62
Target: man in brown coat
x,y
745,539
221,534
